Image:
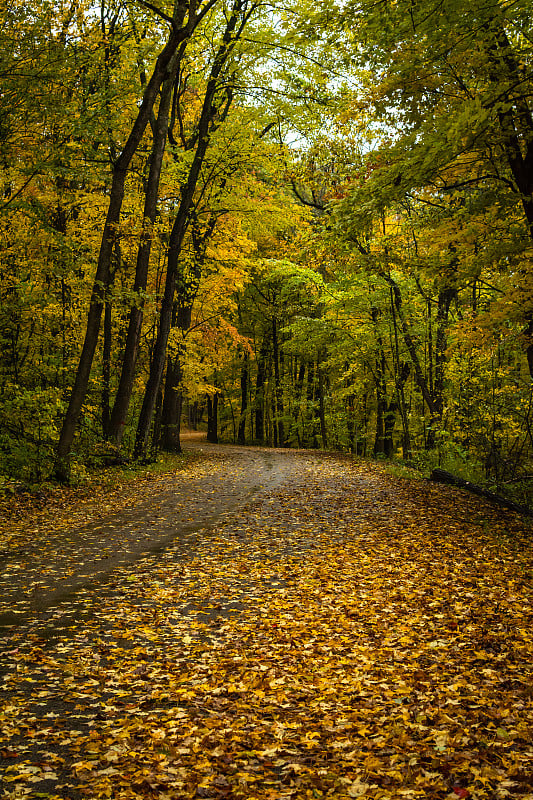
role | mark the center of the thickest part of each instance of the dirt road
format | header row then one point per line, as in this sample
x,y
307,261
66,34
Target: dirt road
x,y
270,625
58,558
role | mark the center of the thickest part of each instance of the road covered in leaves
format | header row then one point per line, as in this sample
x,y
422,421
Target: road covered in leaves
x,y
321,630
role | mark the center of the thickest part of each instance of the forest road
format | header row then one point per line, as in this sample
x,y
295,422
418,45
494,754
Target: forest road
x,y
54,563
278,615
55,559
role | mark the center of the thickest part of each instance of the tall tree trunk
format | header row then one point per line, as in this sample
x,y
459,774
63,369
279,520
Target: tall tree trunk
x,y
381,387
402,372
310,438
173,397
241,436
212,418
279,434
321,408
299,402
443,305
274,408
405,371
106,370
354,437
156,435
434,399
429,361
172,403
379,445
259,400
179,228
192,415
178,34
165,319
516,124
445,298
182,315
389,423
127,375
410,344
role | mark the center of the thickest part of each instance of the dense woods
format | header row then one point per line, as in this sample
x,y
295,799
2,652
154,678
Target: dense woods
x,y
298,225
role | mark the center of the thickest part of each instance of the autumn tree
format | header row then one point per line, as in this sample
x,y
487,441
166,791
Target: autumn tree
x,y
62,73
454,96
182,24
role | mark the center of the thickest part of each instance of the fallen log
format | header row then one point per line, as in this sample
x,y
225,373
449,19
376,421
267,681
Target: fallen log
x,y
441,476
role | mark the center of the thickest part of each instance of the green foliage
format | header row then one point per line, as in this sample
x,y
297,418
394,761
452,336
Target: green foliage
x,y
358,255
29,426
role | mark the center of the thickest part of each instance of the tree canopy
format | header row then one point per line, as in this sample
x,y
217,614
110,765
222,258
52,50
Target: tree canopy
x,y
294,224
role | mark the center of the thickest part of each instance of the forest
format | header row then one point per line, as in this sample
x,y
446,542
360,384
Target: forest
x,y
296,224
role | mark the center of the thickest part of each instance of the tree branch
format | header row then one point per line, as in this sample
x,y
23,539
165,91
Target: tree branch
x,y
157,11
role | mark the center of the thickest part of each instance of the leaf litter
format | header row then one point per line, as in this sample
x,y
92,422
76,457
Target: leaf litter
x,y
347,634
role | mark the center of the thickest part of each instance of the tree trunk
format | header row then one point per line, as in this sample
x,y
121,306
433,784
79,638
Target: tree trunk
x,y
173,397
410,344
259,400
177,235
299,390
274,419
516,125
402,372
405,371
106,370
212,418
445,298
102,276
241,436
381,388
127,375
350,422
389,423
192,415
156,435
171,411
379,445
310,438
321,408
279,433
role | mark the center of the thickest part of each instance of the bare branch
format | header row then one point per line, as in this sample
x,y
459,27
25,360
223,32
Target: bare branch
x,y
158,12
